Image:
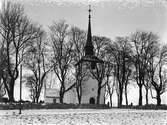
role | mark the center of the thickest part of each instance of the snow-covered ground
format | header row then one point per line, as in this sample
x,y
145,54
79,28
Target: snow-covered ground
x,y
83,117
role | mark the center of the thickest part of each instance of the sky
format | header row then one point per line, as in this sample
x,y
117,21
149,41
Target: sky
x,y
110,18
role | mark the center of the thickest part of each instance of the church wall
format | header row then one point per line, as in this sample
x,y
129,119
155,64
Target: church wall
x,y
90,91
52,100
48,100
70,97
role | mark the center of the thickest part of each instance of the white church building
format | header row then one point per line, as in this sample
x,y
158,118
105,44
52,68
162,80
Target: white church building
x,y
89,88
89,94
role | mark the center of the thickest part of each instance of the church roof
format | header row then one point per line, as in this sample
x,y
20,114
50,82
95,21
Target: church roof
x,y
89,45
89,48
90,58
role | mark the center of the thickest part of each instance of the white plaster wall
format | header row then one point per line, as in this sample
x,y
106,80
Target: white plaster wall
x,y
70,96
90,90
48,100
51,100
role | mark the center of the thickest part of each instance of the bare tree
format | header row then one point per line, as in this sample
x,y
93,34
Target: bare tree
x,y
109,79
37,61
2,90
99,73
158,73
62,56
110,83
31,84
147,86
121,51
144,49
78,38
3,67
16,32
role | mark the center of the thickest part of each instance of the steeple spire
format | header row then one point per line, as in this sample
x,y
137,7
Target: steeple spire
x,y
89,53
89,45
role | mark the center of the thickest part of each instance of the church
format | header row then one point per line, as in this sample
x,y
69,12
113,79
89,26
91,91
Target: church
x,y
89,88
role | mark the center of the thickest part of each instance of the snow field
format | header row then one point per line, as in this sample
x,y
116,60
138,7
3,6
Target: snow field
x,y
83,117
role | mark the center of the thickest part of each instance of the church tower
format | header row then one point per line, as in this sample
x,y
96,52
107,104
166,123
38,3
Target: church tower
x,y
89,48
89,45
87,62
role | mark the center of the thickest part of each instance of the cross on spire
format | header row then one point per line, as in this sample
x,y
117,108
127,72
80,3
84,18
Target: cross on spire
x,y
89,11
89,45
89,48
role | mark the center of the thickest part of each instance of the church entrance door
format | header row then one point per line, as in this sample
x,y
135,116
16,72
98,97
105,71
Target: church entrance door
x,y
92,100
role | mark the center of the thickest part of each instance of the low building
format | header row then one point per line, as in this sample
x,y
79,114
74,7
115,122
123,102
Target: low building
x,y
51,95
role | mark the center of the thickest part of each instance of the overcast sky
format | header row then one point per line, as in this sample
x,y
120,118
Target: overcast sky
x,y
110,18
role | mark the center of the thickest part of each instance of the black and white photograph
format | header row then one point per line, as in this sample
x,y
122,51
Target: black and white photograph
x,y
83,62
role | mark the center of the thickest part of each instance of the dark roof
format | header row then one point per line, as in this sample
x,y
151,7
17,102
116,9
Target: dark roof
x,y
90,58
89,53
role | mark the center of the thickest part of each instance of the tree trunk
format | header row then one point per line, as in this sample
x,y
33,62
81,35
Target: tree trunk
x,y
62,91
158,98
140,95
111,100
120,98
36,91
118,101
126,95
146,95
98,93
79,94
79,83
37,98
120,92
61,97
11,95
33,100
11,91
79,99
110,94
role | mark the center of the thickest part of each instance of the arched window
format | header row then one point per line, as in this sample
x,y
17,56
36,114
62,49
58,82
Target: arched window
x,y
92,100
